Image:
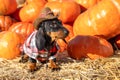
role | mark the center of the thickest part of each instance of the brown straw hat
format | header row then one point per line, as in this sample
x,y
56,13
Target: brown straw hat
x,y
46,14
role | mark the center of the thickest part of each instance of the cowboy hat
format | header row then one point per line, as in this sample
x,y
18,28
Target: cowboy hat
x,y
46,14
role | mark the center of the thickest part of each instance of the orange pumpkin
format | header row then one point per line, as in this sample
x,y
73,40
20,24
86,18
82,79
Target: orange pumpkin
x,y
89,46
29,1
7,6
6,22
50,0
67,10
31,11
85,4
61,43
59,0
24,29
102,19
9,45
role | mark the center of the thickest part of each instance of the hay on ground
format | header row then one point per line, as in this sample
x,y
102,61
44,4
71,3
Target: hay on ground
x,y
86,69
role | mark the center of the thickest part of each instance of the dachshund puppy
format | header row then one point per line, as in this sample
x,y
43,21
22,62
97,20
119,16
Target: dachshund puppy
x,y
41,44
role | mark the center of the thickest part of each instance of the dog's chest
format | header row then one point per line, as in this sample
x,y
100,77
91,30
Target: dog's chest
x,y
31,50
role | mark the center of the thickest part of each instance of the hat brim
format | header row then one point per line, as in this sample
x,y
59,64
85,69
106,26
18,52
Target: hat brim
x,y
38,21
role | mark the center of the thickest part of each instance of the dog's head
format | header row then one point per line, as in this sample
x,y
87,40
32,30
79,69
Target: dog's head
x,y
54,29
50,26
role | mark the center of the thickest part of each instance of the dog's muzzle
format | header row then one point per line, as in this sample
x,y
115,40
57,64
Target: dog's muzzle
x,y
63,33
66,32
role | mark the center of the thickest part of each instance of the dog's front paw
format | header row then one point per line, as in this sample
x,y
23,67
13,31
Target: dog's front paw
x,y
53,65
33,70
32,67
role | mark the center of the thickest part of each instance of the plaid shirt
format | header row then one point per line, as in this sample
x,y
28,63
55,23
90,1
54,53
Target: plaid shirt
x,y
31,50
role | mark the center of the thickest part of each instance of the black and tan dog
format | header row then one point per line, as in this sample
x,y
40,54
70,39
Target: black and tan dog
x,y
41,44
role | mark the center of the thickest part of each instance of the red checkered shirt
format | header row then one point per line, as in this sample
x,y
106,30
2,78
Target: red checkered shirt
x,y
29,47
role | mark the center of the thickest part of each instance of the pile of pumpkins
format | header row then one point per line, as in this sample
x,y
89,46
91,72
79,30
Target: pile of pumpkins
x,y
91,24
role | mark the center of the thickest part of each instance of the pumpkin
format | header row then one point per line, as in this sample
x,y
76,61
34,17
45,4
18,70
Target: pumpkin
x,y
102,19
9,45
7,6
59,0
50,0
92,47
31,11
29,1
66,10
5,22
24,29
61,43
85,4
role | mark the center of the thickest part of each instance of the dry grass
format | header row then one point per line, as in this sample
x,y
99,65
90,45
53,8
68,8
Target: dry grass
x,y
100,69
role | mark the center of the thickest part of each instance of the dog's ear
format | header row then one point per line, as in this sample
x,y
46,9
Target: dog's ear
x,y
40,40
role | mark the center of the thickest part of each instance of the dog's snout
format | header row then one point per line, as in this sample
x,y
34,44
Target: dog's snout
x,y
66,32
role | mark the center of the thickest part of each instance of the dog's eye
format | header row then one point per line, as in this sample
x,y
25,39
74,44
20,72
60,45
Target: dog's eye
x,y
53,26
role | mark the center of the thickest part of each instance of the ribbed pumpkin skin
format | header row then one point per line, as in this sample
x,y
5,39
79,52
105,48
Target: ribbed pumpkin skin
x,y
29,1
67,10
59,0
89,46
9,45
31,11
102,19
86,4
7,6
6,22
24,29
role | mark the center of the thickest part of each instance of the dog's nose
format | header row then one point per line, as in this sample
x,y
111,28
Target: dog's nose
x,y
66,32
